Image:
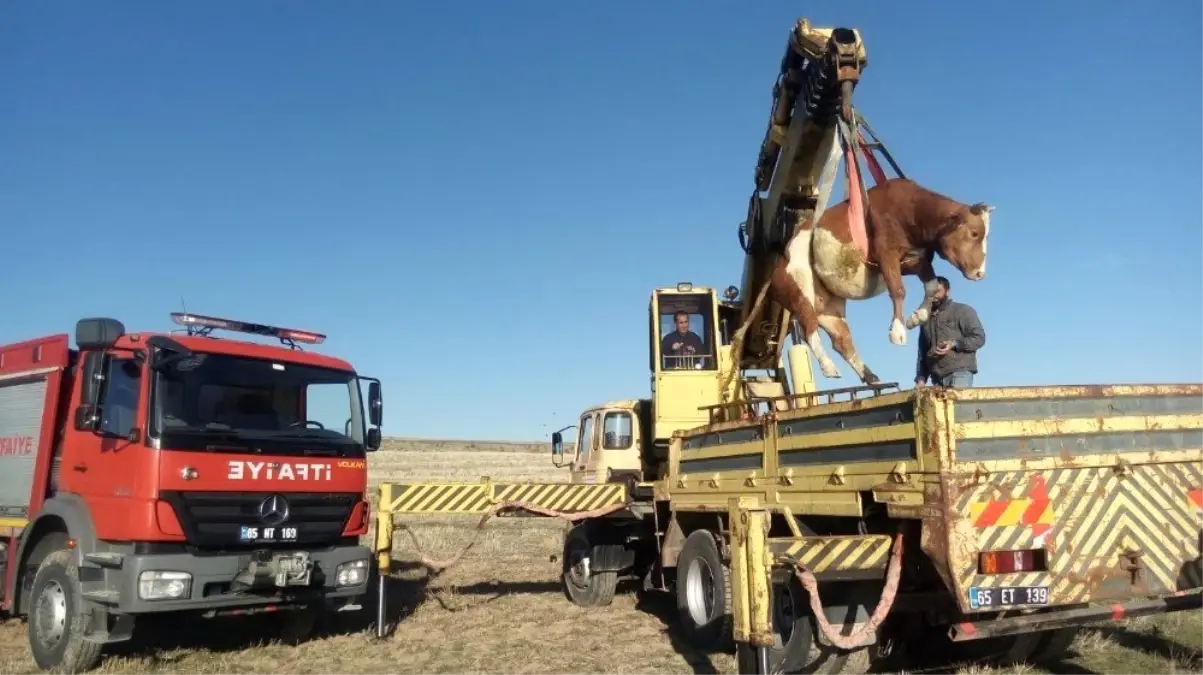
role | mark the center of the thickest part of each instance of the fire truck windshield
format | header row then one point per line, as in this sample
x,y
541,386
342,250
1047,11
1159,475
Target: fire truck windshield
x,y
219,402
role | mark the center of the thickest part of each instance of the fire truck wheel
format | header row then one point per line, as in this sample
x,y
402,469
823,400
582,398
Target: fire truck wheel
x,y
56,617
298,625
582,585
797,648
704,593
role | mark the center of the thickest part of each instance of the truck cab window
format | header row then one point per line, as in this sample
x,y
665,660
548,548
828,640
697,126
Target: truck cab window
x,y
327,404
584,444
235,403
120,398
687,332
616,431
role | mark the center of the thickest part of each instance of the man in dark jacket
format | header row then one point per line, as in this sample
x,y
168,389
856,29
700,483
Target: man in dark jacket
x,y
948,342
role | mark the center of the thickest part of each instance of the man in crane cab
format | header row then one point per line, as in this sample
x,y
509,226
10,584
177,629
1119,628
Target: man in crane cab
x,y
679,345
948,342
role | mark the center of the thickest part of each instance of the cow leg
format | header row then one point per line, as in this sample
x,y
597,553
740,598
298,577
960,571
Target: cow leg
x,y
831,318
794,288
926,274
891,273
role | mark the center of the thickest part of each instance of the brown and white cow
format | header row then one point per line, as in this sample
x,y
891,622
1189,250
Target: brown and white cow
x,y
907,226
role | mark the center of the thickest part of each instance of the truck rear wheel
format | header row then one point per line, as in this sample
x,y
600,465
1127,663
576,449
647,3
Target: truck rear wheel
x,y
704,593
56,621
585,586
1054,644
797,648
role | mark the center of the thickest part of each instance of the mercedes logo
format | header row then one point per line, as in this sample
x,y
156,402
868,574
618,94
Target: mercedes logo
x,y
273,510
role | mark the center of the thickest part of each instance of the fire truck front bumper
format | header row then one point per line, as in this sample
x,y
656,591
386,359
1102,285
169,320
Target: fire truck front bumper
x,y
149,583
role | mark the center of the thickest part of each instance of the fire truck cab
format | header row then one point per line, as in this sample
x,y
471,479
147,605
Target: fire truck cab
x,y
144,473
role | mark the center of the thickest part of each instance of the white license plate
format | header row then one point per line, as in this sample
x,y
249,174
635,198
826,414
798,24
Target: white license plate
x,y
1007,596
254,533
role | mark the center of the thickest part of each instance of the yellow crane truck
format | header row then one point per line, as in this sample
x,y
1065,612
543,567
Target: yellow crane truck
x,y
819,531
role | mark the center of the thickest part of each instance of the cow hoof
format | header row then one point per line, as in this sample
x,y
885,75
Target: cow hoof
x,y
829,370
917,317
898,333
870,377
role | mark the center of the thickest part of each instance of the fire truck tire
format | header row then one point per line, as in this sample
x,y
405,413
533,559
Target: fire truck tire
x,y
585,587
797,633
295,626
704,593
56,618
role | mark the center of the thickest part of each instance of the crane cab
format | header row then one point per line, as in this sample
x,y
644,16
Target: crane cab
x,y
690,359
689,355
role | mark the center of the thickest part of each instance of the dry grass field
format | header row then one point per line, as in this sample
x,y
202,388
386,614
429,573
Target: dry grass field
x,y
502,610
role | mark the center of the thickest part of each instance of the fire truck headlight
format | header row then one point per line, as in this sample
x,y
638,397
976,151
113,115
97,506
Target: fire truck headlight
x,y
164,585
351,573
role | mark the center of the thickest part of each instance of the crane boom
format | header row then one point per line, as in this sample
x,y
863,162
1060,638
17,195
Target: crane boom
x,y
795,171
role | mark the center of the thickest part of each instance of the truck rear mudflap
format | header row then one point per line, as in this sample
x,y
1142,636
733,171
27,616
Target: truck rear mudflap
x,y
1073,496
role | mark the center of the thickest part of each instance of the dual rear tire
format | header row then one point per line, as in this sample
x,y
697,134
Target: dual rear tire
x,y
703,589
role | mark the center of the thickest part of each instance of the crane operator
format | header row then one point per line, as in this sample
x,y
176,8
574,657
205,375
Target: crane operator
x,y
679,345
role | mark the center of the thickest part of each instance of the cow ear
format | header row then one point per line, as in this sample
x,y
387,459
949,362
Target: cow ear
x,y
980,208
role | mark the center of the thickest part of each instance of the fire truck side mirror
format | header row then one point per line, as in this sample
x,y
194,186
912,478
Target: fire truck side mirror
x,y
372,442
87,415
97,333
375,404
557,447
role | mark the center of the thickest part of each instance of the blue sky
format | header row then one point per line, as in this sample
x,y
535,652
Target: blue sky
x,y
539,167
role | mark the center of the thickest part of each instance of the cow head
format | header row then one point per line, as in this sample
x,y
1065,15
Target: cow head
x,y
964,240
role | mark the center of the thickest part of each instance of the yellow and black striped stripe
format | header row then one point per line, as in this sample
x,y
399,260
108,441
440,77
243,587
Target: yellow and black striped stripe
x,y
1099,515
835,554
471,498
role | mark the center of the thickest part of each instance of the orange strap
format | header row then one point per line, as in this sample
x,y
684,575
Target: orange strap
x,y
856,206
879,176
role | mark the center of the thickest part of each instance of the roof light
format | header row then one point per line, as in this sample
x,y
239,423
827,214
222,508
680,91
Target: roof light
x,y
199,324
685,286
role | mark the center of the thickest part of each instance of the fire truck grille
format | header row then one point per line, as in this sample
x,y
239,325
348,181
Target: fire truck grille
x,y
255,518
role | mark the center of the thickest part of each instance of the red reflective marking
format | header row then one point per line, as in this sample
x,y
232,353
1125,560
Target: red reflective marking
x,y
967,628
991,513
1118,612
1196,496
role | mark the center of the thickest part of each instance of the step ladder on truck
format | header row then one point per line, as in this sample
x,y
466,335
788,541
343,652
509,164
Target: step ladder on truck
x,y
823,531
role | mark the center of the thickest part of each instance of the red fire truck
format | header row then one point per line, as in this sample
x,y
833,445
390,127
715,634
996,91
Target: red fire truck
x,y
143,473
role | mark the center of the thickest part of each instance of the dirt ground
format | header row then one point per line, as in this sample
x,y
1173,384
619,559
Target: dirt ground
x,y
502,610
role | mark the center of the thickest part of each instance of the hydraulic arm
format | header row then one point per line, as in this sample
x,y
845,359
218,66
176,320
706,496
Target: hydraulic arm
x,y
795,170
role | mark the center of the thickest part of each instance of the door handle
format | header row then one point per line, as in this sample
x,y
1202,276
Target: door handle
x,y
80,468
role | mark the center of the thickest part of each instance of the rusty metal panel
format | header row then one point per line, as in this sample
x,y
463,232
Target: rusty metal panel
x,y
722,438
22,400
1095,423
835,553
1045,407
1107,534
1104,482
